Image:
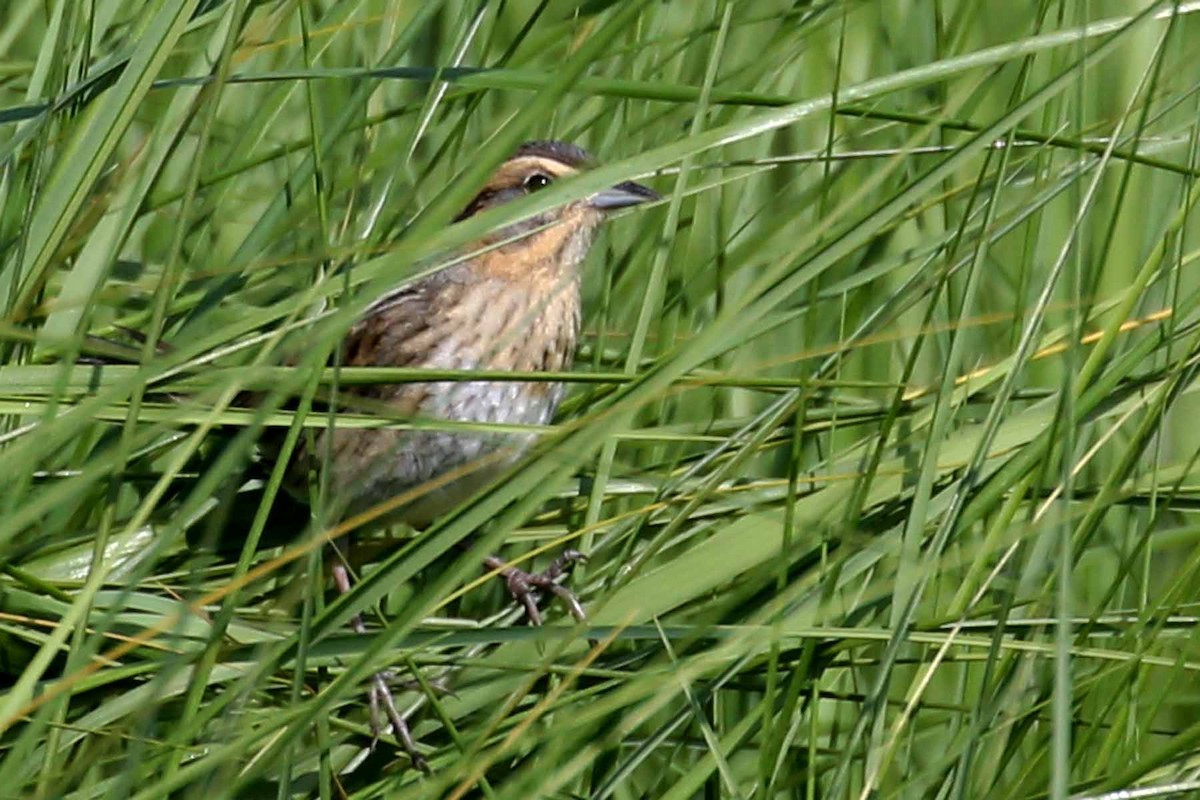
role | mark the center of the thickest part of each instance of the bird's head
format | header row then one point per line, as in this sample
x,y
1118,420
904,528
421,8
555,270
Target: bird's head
x,y
560,237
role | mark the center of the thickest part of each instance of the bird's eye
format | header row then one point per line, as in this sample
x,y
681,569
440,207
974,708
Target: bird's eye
x,y
538,180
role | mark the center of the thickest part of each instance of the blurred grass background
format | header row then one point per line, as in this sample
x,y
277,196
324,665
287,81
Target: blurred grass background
x,y
878,441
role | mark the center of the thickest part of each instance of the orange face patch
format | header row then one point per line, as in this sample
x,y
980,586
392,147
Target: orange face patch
x,y
539,255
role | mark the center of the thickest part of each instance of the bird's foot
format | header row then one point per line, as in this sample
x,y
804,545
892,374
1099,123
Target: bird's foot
x,y
380,697
526,587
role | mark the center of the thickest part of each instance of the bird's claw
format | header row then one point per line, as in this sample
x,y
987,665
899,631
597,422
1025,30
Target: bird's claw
x,y
380,696
526,586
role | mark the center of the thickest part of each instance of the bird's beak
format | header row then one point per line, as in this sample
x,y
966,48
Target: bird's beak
x,y
623,195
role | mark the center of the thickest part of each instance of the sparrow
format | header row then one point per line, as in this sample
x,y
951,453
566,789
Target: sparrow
x,y
511,303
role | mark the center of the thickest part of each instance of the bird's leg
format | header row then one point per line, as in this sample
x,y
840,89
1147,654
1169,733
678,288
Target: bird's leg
x,y
525,586
380,693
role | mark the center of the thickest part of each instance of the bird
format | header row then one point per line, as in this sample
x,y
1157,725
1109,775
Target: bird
x,y
510,302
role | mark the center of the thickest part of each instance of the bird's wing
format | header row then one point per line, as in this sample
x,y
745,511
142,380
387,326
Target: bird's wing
x,y
399,330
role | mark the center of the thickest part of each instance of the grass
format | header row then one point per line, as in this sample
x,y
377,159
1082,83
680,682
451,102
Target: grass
x,y
878,438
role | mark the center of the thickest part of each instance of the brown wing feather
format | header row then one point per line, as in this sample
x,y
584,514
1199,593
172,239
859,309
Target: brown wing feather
x,y
388,335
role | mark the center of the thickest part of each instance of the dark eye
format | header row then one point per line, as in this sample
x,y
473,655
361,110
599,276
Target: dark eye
x,y
538,180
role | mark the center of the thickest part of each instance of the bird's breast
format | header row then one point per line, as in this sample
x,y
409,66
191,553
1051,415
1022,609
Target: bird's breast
x,y
499,328
488,328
